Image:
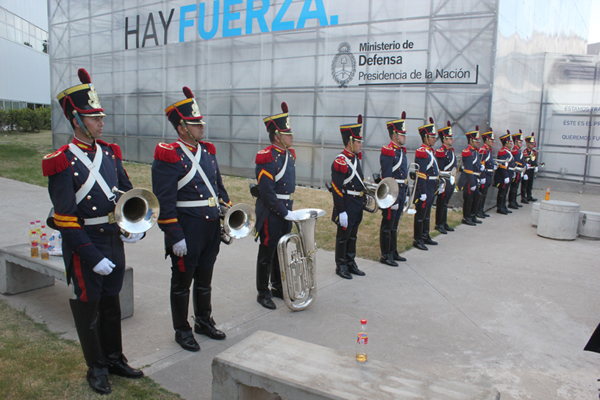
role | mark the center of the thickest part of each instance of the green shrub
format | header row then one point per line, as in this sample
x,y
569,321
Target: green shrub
x,y
12,118
2,119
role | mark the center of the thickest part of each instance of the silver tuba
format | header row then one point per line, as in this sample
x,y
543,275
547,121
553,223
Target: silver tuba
x,y
413,177
298,267
238,222
136,211
382,195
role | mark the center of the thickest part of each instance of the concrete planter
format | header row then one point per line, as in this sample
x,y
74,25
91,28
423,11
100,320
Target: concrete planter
x,y
589,225
558,220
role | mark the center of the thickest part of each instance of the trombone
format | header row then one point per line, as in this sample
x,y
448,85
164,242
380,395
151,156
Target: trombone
x,y
413,176
382,195
238,222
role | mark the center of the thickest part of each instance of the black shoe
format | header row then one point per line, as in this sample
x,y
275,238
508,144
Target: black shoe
x,y
441,229
485,215
480,214
388,260
524,200
532,199
209,329
427,240
397,256
447,228
121,368
277,293
98,380
266,302
353,269
343,272
513,206
501,211
467,221
474,219
518,205
507,210
186,340
418,244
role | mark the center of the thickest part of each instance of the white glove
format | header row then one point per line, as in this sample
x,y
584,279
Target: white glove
x,y
481,167
133,237
441,190
395,206
506,180
423,197
104,267
180,248
483,181
473,188
343,218
291,216
525,177
495,167
535,169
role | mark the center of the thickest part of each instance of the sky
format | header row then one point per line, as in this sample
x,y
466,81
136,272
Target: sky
x,y
594,25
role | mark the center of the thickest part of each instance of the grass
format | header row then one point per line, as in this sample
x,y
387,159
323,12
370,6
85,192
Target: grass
x,y
37,364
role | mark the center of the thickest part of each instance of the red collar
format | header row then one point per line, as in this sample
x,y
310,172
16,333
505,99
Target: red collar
x,y
84,146
193,149
350,154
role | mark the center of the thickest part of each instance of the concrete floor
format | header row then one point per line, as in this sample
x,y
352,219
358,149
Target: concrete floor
x,y
494,305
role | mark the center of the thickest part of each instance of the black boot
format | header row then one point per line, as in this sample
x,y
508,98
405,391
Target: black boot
x,y
441,229
394,246
446,226
482,203
180,301
204,324
85,315
185,338
418,235
385,237
110,338
341,262
426,223
351,253
467,204
512,198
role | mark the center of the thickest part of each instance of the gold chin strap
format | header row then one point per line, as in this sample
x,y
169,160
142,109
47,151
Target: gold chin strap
x,y
182,122
81,125
278,134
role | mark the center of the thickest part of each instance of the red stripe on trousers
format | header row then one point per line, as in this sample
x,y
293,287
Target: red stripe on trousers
x,y
181,264
266,225
79,276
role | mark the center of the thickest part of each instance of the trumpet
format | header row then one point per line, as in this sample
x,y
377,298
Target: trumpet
x,y
298,267
238,222
413,175
382,195
136,211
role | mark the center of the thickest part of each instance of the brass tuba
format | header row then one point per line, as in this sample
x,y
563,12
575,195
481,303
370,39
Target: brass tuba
x,y
238,222
298,267
136,211
413,176
382,195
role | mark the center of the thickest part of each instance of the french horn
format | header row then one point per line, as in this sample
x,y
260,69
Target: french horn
x,y
381,195
136,211
238,222
298,266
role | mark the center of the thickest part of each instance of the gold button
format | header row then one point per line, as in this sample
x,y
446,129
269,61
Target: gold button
x,y
88,197
75,158
94,208
72,162
76,174
113,157
101,229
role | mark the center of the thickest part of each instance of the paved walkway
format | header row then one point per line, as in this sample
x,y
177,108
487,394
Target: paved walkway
x,y
495,305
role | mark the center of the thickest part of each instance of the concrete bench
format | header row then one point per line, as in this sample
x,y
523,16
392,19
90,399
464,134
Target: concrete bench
x,y
19,273
558,220
589,225
267,366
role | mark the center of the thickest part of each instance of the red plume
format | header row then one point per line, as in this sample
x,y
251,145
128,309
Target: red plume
x,y
491,130
359,119
507,131
448,123
84,77
431,120
520,131
284,107
188,92
476,127
531,133
403,115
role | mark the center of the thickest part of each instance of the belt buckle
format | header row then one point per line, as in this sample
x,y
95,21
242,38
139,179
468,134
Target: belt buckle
x,y
111,217
362,193
291,196
212,202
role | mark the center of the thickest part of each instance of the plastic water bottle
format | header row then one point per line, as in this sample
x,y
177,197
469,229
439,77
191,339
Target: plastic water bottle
x,y
44,250
34,240
38,227
547,194
362,341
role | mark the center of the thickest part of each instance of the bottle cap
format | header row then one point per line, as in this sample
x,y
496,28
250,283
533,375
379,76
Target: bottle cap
x,y
363,321
37,220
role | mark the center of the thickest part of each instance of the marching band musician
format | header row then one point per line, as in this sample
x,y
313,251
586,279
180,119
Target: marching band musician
x,y
425,185
446,161
394,164
519,163
469,178
276,176
503,176
487,159
530,156
81,176
187,182
348,191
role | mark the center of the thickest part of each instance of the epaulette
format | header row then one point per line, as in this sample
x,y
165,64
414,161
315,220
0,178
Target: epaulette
x,y
293,153
113,147
403,149
210,148
264,156
388,151
167,152
56,162
440,152
502,152
466,152
340,165
421,153
515,152
482,150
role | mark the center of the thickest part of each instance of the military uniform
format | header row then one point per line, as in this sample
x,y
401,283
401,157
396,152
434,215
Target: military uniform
x,y
531,165
81,179
348,197
187,182
503,175
487,159
394,164
425,186
517,155
469,179
446,160
276,177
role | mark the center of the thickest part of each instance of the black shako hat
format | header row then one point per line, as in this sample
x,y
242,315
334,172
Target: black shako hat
x,y
505,138
517,136
398,126
488,135
530,139
280,122
353,131
473,135
185,110
427,130
82,99
445,132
